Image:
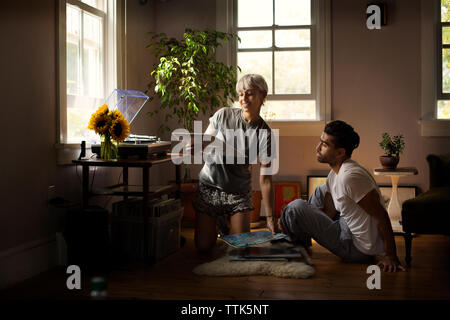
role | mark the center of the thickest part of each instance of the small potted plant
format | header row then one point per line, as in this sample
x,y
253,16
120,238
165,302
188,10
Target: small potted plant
x,y
392,148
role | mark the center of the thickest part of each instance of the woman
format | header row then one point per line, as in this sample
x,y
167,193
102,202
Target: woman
x,y
225,189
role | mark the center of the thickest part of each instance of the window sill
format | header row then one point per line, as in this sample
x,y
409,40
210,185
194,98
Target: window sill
x,y
435,128
298,128
66,152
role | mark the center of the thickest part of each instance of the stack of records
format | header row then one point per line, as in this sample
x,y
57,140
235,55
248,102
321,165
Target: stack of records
x,y
251,238
271,253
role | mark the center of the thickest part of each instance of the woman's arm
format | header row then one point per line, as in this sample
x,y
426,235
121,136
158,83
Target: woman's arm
x,y
265,182
210,130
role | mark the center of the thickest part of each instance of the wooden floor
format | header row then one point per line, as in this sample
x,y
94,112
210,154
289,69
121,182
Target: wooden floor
x,y
172,279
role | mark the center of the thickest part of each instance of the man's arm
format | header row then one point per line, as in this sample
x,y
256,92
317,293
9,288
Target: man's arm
x,y
265,181
328,206
371,204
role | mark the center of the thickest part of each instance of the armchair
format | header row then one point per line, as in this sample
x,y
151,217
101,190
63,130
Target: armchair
x,y
429,212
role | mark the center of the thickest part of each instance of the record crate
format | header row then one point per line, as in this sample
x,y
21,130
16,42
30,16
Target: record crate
x,y
164,227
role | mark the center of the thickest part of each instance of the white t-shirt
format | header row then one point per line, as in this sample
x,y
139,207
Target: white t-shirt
x,y
347,188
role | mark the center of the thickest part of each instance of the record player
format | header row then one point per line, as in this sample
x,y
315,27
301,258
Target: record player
x,y
129,103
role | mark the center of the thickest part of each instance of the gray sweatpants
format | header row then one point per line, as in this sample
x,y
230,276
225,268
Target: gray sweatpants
x,y
303,220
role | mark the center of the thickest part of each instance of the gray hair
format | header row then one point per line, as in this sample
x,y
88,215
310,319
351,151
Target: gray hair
x,y
252,81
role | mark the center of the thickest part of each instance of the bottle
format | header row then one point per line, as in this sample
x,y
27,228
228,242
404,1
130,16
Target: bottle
x,y
98,288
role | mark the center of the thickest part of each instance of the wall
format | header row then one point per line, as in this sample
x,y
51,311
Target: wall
x,y
28,119
376,83
375,87
173,16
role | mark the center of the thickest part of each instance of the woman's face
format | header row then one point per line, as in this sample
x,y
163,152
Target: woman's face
x,y
251,100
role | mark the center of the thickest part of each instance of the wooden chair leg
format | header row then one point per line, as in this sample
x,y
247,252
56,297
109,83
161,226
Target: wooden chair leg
x,y
408,245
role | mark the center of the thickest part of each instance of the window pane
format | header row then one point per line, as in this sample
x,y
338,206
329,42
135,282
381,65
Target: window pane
x,y
443,109
255,39
292,38
445,35
445,11
99,4
93,56
292,12
256,62
292,72
446,70
79,110
289,110
255,13
85,80
73,16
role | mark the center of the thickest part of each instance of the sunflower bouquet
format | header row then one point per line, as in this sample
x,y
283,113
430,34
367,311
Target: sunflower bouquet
x,y
112,128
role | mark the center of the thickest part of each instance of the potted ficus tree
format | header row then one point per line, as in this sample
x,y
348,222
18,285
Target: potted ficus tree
x,y
188,80
392,148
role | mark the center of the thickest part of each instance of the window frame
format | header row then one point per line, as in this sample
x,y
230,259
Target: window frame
x,y
431,71
320,65
113,57
440,94
273,28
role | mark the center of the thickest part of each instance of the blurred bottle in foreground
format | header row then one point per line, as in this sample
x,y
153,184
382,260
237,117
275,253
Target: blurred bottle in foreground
x,y
98,288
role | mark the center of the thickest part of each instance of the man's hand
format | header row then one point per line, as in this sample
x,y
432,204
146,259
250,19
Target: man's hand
x,y
390,264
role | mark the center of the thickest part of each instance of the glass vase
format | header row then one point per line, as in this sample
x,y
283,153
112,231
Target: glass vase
x,y
108,148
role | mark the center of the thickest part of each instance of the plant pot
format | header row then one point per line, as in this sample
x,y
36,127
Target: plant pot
x,y
256,200
389,162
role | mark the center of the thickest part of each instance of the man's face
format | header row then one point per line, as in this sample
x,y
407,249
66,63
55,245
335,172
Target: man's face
x,y
326,151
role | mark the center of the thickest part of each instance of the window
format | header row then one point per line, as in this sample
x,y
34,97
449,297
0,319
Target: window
x,y
443,103
87,63
435,76
286,42
276,43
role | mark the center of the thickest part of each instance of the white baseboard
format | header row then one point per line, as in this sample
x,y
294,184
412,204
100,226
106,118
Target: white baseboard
x,y
27,260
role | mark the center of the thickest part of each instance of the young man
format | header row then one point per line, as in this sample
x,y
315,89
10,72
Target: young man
x,y
346,215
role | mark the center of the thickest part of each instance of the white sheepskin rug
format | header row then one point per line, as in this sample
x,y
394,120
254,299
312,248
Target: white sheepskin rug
x,y
283,269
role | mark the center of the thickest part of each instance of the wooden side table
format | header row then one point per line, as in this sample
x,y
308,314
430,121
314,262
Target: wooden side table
x,y
394,208
125,190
